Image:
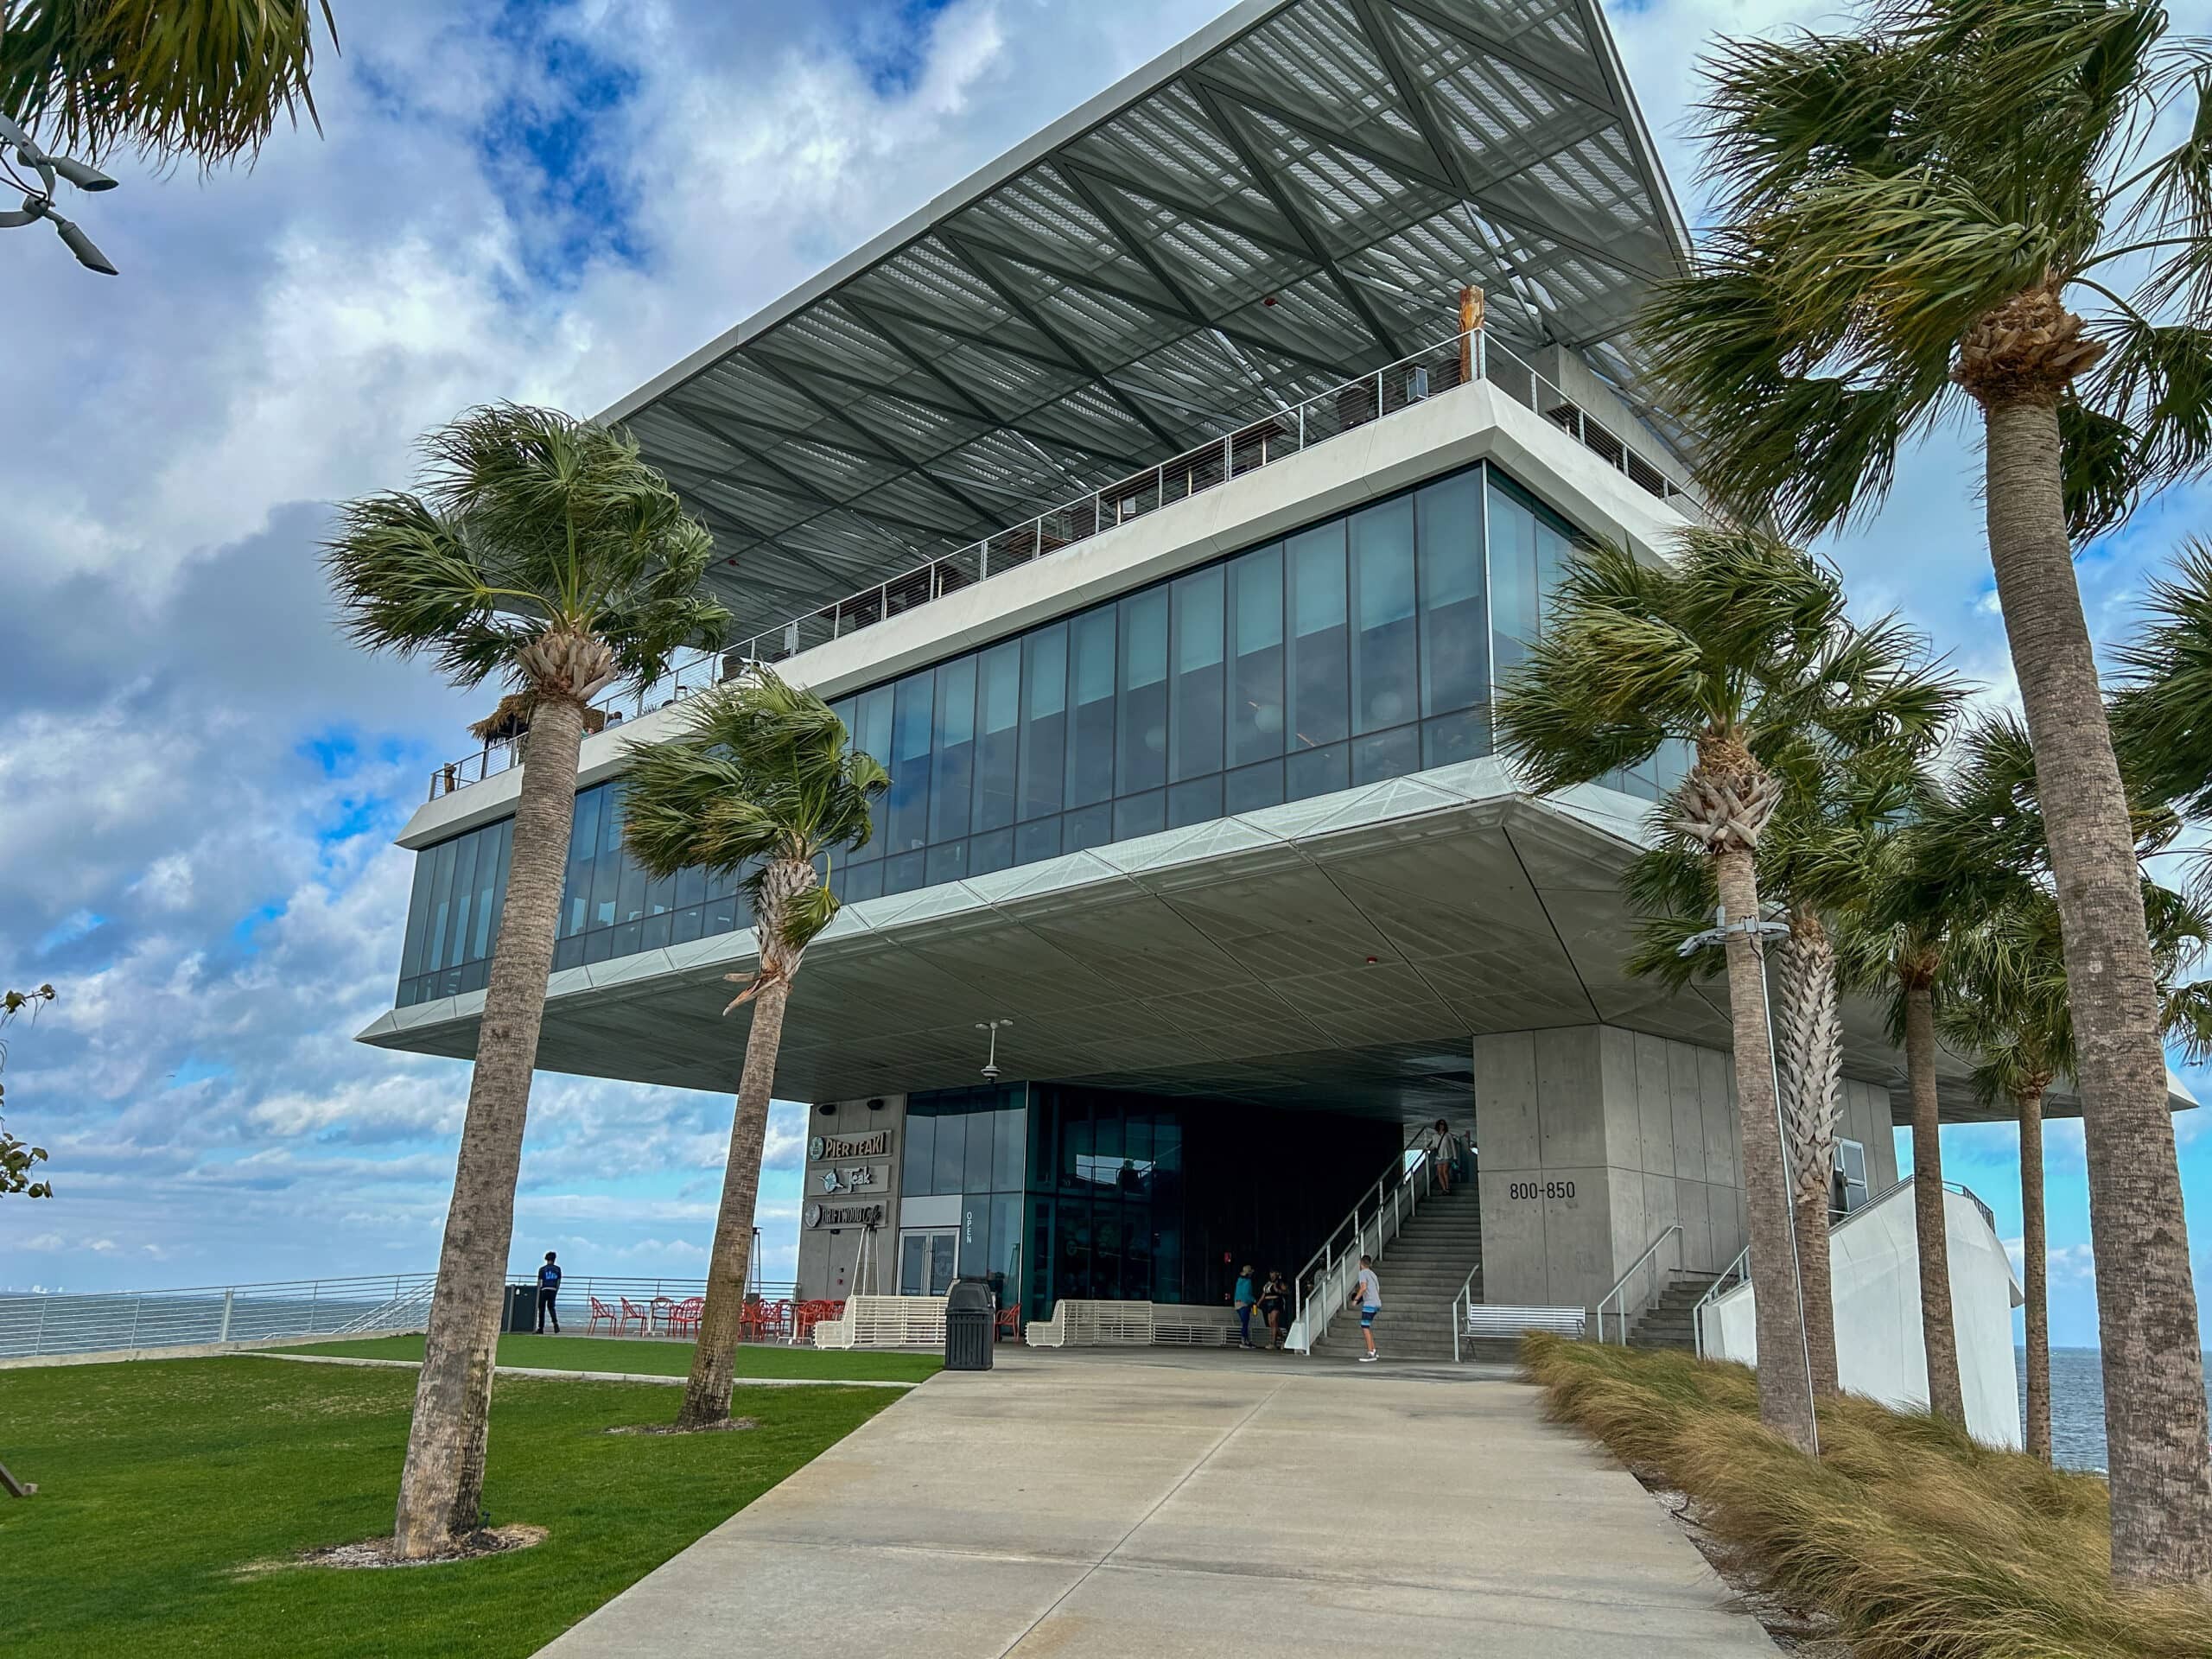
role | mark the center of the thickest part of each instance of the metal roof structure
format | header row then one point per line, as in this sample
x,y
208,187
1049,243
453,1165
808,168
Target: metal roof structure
x,y
1291,198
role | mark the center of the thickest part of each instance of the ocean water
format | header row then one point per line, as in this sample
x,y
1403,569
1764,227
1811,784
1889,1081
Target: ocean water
x,y
2077,1405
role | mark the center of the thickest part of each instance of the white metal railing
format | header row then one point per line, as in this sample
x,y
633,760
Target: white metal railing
x,y
1736,1272
1618,1293
34,1323
1288,432
1380,1216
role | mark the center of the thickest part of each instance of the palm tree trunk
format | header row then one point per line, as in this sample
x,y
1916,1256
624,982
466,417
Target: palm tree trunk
x,y
1785,1395
440,1488
1938,1329
1809,1069
714,1360
2160,1452
2035,1270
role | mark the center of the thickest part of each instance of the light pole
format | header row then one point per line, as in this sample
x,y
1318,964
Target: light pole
x,y
38,192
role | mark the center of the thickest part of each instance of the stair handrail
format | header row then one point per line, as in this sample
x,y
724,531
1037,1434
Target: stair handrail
x,y
1397,1195
1465,1299
1739,1267
1620,1286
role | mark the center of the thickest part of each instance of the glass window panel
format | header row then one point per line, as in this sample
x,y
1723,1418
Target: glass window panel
x,y
567,953
948,861
1005,1249
688,922
610,821
905,810
433,947
1007,1148
998,720
1143,760
418,915
660,895
1454,646
1512,540
1317,771
1385,754
950,1166
599,944
872,729
1255,714
1090,714
1038,839
625,937
722,914
467,852
630,890
1463,736
583,848
920,1158
1044,719
654,934
1197,698
1383,658
494,902
1140,815
976,1236
860,882
981,1126
1319,664
905,871
1093,826
953,775
989,852
1250,788
1196,802
690,886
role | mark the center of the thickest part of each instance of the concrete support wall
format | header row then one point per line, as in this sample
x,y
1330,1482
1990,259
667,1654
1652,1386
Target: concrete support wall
x,y
1866,1118
829,1252
1593,1140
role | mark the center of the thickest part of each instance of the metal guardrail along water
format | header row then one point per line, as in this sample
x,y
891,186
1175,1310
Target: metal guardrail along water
x,y
34,1323
1292,431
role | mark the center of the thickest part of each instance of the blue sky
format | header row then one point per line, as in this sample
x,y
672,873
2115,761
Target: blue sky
x,y
547,201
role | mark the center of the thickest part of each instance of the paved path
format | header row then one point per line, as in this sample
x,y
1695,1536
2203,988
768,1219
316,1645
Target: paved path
x,y
1087,1505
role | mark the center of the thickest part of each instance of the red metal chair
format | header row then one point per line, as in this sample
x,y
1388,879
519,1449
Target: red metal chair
x,y
663,1313
684,1315
601,1311
1009,1325
644,1316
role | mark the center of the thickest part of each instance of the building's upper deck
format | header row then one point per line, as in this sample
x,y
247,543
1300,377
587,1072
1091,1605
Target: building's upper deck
x,y
1287,201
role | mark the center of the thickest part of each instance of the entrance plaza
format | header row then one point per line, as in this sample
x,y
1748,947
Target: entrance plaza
x,y
1127,1504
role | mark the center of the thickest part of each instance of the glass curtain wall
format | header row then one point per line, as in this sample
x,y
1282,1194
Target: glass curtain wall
x,y
971,1143
1361,648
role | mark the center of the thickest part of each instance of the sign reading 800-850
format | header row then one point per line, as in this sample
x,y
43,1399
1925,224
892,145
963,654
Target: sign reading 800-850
x,y
1540,1190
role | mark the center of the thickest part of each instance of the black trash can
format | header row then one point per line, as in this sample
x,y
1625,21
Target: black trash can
x,y
970,1321
522,1308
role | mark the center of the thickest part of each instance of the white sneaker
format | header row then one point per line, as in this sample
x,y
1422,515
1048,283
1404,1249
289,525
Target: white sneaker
x,y
1367,1359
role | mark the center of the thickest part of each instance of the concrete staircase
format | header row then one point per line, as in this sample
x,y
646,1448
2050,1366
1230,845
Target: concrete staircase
x,y
1667,1323
1421,1271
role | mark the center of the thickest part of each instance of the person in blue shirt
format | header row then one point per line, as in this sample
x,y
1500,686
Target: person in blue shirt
x,y
1244,1298
549,1286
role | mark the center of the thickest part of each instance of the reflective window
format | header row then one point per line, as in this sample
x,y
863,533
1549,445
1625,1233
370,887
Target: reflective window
x,y
1361,648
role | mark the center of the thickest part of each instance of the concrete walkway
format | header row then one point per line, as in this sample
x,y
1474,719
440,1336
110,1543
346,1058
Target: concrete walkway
x,y
1150,1504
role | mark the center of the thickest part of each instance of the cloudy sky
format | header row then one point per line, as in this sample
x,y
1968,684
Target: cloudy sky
x,y
548,200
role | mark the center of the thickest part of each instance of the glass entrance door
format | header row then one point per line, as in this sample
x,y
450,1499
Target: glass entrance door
x,y
926,1261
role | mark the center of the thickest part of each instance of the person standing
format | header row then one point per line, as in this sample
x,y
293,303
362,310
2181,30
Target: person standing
x,y
1244,1298
1366,1296
1275,1306
1442,1153
549,1287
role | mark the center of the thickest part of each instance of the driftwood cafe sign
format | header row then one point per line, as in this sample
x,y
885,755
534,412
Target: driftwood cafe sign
x,y
844,1214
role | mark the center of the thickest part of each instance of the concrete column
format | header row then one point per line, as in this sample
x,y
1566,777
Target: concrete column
x,y
829,1252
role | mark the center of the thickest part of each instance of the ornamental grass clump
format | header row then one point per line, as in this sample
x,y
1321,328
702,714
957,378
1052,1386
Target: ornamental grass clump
x,y
1920,1542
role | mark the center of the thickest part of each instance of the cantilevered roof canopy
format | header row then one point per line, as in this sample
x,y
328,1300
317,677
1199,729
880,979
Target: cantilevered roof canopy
x,y
1290,199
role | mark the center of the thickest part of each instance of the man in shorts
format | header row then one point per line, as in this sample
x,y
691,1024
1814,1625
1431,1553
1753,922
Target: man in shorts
x,y
1366,1296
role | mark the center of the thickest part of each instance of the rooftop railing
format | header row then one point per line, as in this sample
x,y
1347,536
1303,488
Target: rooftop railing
x,y
1276,437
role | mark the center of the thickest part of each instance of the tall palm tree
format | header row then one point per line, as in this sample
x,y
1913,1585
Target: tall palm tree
x,y
1738,642
2161,712
174,79
1910,212
762,782
542,552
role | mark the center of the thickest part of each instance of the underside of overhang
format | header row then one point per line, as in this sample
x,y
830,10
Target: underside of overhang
x,y
1292,198
1340,953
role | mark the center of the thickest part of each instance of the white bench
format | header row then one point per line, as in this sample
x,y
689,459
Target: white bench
x,y
1080,1323
885,1322
1499,1322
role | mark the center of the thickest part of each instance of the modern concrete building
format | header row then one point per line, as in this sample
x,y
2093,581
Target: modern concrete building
x,y
1149,506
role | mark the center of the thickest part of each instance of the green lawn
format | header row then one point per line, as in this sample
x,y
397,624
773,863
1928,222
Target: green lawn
x,y
662,1359
160,1480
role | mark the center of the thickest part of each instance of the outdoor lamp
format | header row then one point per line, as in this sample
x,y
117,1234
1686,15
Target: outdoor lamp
x,y
38,197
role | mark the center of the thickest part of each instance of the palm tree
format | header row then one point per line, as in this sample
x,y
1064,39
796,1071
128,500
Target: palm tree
x,y
1739,643
2162,713
762,781
19,1159
1909,212
202,79
541,551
